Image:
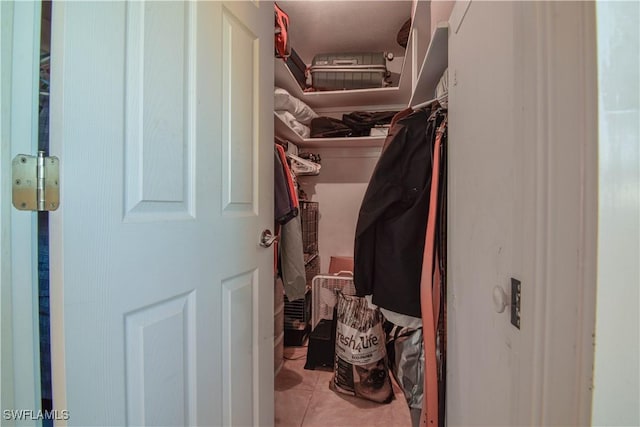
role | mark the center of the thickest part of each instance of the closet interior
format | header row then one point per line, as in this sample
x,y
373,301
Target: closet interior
x,y
46,389
339,184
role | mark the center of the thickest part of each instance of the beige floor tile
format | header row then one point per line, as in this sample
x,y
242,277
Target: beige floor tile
x,y
293,375
339,410
330,408
292,378
304,398
290,406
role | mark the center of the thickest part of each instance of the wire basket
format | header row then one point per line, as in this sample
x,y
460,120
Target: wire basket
x,y
297,314
296,320
309,216
323,295
311,267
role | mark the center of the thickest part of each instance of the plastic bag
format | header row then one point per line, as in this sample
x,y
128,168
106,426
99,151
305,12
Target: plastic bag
x,y
361,367
328,127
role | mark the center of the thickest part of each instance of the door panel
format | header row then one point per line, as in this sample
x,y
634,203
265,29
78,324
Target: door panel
x,y
239,56
160,93
166,328
484,200
522,150
163,298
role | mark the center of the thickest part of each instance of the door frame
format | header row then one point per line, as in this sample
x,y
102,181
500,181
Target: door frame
x,y
19,335
559,133
19,324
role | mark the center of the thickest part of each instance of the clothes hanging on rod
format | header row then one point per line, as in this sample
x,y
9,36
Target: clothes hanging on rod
x,y
402,202
391,219
425,104
291,257
44,74
440,276
287,204
283,204
289,248
429,291
302,166
442,93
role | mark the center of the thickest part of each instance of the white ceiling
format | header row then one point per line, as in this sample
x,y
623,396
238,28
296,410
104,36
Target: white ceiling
x,y
328,26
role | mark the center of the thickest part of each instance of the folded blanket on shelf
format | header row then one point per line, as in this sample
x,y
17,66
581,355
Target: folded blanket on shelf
x,y
284,101
291,121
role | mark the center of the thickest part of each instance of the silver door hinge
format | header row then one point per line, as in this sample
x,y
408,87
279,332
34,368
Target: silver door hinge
x,y
36,185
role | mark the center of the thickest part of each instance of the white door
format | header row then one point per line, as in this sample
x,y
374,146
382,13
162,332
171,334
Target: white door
x,y
482,202
522,145
19,337
162,298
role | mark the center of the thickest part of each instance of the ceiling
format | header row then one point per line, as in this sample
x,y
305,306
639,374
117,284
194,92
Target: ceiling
x,y
328,26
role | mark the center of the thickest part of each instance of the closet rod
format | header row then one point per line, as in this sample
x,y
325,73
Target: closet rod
x,y
424,104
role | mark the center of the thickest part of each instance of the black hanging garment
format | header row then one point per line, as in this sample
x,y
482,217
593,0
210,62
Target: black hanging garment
x,y
328,127
361,122
391,226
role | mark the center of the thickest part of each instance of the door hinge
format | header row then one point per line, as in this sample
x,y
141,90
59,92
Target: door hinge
x,y
36,185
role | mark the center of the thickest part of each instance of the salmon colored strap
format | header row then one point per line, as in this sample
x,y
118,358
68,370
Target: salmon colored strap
x,y
293,195
429,414
436,291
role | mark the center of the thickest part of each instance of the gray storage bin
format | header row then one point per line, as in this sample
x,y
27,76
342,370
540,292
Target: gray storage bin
x,y
337,71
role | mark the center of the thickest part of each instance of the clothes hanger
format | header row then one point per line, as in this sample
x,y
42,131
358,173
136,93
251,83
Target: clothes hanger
x,y
425,104
442,100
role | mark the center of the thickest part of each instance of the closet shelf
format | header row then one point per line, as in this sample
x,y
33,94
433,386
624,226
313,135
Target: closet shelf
x,y
387,97
434,64
284,131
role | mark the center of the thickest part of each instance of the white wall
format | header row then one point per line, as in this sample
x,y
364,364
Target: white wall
x,y
616,377
339,207
339,190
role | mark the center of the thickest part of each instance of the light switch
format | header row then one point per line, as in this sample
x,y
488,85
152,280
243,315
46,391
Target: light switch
x,y
516,289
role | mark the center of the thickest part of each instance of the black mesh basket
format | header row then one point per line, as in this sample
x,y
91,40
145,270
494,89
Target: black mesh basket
x,y
309,216
297,314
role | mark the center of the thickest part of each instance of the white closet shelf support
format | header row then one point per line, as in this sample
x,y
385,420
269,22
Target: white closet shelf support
x,y
424,104
434,64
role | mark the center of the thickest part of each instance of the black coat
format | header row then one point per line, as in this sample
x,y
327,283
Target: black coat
x,y
392,222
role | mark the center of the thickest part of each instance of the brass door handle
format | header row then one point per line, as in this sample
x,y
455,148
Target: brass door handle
x,y
267,238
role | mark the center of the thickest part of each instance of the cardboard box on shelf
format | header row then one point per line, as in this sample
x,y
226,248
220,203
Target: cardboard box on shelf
x,y
340,263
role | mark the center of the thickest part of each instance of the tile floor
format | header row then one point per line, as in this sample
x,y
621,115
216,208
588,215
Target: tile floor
x,y
303,399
